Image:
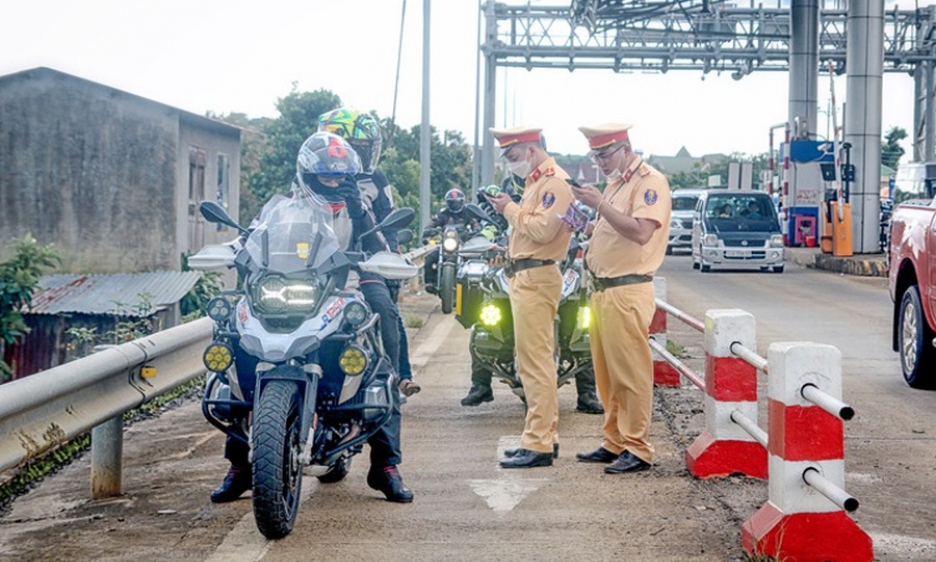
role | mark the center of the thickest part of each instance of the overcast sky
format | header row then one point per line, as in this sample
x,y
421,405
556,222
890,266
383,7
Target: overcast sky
x,y
242,55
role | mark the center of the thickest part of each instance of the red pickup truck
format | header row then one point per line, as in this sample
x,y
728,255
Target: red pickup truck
x,y
912,283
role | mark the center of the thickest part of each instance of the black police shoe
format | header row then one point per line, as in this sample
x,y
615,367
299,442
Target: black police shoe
x,y
235,483
389,481
431,289
588,403
525,458
511,453
600,454
627,462
477,395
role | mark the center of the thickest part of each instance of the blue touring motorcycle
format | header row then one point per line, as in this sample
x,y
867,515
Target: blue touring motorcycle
x,y
296,365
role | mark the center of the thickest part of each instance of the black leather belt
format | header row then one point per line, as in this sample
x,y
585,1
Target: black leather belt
x,y
515,266
602,283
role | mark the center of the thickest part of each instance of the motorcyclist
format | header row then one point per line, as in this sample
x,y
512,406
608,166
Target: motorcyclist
x,y
481,390
362,132
453,213
326,166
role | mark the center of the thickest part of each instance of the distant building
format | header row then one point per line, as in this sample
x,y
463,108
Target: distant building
x,y
114,180
683,162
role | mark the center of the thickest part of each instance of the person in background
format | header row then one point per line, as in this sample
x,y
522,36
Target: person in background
x,y
628,244
453,213
363,134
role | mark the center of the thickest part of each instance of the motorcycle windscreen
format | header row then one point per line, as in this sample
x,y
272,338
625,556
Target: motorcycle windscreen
x,y
293,234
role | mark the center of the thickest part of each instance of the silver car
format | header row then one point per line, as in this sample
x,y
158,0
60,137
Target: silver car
x,y
684,202
735,228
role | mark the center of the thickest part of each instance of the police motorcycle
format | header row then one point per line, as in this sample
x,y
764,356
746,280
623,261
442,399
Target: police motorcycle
x,y
483,307
295,351
447,242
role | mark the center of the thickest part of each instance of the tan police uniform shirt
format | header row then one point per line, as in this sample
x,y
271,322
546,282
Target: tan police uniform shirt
x,y
641,192
538,232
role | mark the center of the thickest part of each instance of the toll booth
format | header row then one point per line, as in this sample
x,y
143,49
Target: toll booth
x,y
805,189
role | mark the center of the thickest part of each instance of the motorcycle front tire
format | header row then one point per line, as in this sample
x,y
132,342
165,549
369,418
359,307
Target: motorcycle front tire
x,y
447,288
277,473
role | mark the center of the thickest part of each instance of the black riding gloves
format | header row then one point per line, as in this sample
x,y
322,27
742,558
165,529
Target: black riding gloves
x,y
350,193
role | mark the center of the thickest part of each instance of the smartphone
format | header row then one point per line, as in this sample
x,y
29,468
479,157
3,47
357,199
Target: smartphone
x,y
573,183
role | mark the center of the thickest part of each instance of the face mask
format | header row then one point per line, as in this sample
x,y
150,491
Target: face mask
x,y
615,174
520,168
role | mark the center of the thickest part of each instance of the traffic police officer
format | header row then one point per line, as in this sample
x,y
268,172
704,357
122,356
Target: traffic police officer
x,y
627,246
538,241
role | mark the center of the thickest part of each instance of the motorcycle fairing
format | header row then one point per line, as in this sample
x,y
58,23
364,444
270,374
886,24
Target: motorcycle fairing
x,y
276,348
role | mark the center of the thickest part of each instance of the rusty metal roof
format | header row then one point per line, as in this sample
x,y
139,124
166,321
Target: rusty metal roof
x,y
119,294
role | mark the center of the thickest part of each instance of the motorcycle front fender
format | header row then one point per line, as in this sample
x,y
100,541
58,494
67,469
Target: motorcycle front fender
x,y
306,385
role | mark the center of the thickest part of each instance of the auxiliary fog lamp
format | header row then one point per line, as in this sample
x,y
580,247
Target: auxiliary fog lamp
x,y
352,361
490,315
218,356
584,317
219,309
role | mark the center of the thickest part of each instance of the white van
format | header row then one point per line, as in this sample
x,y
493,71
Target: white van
x,y
736,228
680,234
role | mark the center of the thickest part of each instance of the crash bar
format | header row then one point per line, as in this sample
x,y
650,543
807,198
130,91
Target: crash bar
x,y
692,322
836,495
827,402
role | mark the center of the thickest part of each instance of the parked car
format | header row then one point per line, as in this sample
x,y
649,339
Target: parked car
x,y
684,202
912,285
735,228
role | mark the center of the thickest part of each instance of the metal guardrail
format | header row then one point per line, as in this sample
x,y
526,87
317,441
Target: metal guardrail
x,y
42,411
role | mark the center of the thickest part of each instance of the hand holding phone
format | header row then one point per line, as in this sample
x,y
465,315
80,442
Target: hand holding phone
x,y
573,183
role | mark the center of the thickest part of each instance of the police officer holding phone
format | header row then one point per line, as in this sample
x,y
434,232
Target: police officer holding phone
x,y
628,244
538,242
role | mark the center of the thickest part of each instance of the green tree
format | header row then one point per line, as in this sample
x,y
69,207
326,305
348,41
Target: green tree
x,y
19,280
891,151
701,171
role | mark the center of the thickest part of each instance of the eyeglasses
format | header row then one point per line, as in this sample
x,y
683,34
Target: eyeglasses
x,y
604,156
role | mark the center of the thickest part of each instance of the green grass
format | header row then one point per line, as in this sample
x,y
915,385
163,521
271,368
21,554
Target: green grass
x,y
411,320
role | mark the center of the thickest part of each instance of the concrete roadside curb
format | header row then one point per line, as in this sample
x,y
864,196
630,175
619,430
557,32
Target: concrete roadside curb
x,y
865,265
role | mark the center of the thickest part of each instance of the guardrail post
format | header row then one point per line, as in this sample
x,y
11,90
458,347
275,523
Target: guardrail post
x,y
724,447
107,458
798,522
663,373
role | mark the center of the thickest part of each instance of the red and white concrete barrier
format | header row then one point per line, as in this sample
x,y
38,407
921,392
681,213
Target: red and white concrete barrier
x,y
724,447
663,373
804,519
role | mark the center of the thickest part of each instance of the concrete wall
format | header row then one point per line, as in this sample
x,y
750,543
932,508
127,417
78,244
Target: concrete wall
x,y
100,173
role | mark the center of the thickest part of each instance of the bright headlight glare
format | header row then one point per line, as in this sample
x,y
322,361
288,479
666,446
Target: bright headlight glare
x,y
352,361
355,313
218,357
219,309
584,317
450,244
490,315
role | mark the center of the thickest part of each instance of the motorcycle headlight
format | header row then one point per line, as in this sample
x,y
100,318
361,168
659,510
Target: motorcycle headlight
x,y
218,357
584,317
352,361
355,313
450,244
490,315
275,294
219,309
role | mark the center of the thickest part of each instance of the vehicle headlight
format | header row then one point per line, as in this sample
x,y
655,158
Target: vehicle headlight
x,y
218,356
450,244
355,313
584,317
352,361
490,315
277,295
776,241
674,223
710,240
219,309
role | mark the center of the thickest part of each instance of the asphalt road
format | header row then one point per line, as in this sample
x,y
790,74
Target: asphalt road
x,y
467,508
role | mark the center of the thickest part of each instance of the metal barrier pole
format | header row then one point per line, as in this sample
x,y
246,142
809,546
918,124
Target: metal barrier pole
x,y
828,403
680,367
750,426
663,372
107,458
803,518
725,448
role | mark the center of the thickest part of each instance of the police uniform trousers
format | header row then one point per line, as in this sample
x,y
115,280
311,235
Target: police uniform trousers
x,y
534,300
624,365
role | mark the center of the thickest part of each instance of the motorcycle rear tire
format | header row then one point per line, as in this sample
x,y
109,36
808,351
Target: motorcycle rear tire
x,y
447,288
337,472
277,473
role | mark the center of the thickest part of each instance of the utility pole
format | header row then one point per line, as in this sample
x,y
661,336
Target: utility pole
x,y
425,132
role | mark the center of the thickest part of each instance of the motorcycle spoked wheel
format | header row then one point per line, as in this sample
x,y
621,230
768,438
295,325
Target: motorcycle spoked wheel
x,y
447,288
337,472
277,473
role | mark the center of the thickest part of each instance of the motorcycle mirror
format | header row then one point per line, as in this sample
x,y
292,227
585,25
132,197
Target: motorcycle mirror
x,y
398,218
215,213
405,236
477,212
